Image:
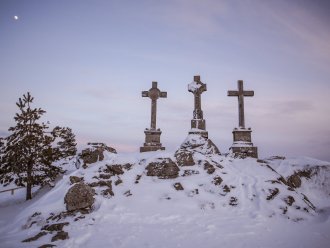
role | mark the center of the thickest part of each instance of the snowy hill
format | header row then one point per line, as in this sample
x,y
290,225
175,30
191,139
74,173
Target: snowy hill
x,y
150,200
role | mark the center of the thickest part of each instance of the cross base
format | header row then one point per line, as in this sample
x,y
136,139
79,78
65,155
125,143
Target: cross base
x,y
242,145
152,141
198,124
202,133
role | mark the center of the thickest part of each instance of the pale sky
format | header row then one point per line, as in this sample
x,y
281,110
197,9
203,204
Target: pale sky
x,y
86,63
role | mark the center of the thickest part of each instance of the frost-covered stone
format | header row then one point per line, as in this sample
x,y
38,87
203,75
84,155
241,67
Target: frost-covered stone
x,y
94,153
79,196
184,158
61,235
75,179
55,227
115,169
164,168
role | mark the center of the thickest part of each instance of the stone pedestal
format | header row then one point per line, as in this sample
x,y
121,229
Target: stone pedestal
x,y
200,132
242,145
198,127
152,141
198,124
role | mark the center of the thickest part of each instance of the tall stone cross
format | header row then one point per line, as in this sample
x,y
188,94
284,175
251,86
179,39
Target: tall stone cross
x,y
240,93
197,88
154,93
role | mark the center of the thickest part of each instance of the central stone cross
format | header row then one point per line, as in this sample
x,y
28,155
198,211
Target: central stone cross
x,y
197,123
197,88
154,93
240,93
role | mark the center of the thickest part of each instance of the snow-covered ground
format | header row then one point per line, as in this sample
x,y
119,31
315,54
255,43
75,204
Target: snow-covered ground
x,y
238,210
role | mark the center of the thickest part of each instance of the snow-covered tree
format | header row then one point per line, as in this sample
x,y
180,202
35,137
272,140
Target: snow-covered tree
x,y
28,153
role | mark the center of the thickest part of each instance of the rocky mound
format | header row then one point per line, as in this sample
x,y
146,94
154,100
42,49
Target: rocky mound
x,y
193,145
158,181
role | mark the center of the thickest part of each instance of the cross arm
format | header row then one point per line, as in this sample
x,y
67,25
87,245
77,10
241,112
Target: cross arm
x,y
232,93
248,93
163,94
145,93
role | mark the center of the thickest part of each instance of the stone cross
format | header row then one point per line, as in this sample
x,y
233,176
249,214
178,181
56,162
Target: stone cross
x,y
197,88
154,93
240,93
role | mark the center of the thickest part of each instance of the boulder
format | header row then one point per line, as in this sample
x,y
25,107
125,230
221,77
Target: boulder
x,y
217,180
115,169
79,196
295,179
55,227
209,167
184,158
94,153
190,172
164,168
178,186
75,179
61,235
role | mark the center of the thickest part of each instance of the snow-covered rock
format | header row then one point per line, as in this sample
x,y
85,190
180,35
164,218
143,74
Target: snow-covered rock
x,y
79,196
194,146
93,152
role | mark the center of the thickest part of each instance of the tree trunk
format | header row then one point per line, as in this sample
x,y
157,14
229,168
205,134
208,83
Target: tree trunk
x,y
29,183
28,191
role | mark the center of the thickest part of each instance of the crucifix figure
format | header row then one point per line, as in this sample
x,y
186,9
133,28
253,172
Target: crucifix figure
x,y
154,93
240,93
197,88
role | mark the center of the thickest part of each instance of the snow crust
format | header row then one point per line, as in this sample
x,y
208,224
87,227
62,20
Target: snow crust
x,y
154,214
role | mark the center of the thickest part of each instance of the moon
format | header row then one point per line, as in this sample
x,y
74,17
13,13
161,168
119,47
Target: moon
x,y
15,17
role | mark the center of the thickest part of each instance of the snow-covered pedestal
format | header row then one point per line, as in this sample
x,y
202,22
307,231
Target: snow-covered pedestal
x,y
243,145
152,141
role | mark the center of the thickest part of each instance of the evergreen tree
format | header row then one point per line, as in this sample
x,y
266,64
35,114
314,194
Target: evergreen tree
x,y
66,142
28,153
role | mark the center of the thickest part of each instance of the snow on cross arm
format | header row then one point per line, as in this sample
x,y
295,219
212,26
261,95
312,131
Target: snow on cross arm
x,y
194,86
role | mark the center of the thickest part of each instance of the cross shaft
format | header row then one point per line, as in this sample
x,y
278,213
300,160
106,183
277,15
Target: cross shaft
x,y
154,93
240,93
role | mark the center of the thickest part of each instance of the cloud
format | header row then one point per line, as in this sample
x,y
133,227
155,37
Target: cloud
x,y
291,107
305,25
